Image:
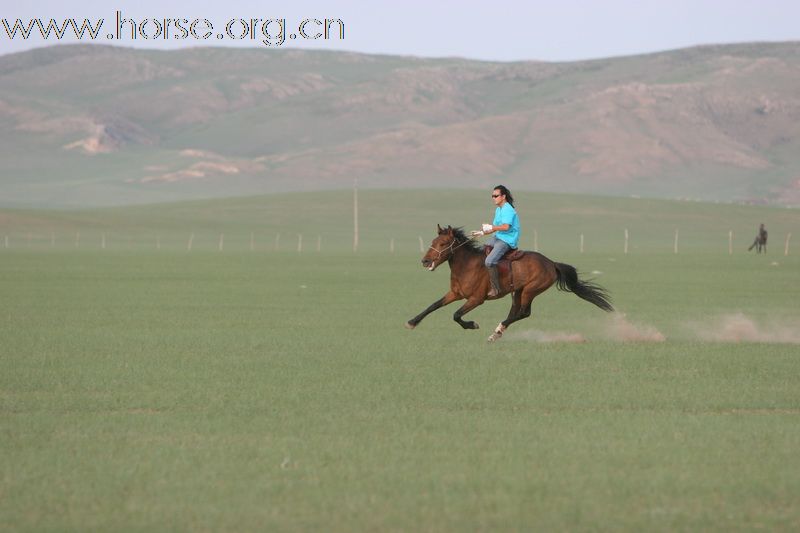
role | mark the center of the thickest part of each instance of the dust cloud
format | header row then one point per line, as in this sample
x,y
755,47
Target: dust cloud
x,y
738,327
733,328
547,337
621,329
618,329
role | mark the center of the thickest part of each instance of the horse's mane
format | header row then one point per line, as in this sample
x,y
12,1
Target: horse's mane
x,y
461,237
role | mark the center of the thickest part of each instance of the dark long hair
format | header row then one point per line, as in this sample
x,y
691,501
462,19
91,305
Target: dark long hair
x,y
505,192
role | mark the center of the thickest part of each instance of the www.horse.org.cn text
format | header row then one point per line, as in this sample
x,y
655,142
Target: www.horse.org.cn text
x,y
268,31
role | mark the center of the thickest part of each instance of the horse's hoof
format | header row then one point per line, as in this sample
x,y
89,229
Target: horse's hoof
x,y
409,325
498,332
476,326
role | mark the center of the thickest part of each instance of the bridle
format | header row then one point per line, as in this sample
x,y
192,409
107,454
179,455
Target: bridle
x,y
450,248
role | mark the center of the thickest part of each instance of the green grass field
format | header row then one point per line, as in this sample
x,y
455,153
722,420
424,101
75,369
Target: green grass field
x,y
145,389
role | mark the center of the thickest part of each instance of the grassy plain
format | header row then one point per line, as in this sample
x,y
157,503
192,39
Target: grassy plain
x,y
237,390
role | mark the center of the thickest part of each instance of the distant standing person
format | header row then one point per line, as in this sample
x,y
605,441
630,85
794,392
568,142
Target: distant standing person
x,y
506,228
760,241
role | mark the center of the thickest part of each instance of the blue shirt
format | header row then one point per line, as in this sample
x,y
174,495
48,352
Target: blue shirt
x,y
507,215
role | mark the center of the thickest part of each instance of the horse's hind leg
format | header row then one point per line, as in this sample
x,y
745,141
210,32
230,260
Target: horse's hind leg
x,y
516,298
523,302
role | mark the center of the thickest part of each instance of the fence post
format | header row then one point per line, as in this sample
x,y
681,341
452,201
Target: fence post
x,y
730,242
676,241
221,241
581,242
421,246
626,241
319,243
355,215
252,241
391,245
299,243
277,242
191,240
785,247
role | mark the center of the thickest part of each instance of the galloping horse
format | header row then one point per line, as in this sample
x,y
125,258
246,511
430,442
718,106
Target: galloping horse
x,y
526,279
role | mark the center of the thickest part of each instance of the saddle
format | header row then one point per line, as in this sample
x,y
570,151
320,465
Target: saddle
x,y
510,256
504,266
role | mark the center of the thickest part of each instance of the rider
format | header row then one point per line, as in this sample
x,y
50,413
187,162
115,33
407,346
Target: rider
x,y
760,240
506,227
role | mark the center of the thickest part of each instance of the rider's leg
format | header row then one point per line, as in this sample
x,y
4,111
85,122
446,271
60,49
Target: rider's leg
x,y
498,251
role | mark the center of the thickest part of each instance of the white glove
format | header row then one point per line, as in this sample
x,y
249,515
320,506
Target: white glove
x,y
477,233
487,228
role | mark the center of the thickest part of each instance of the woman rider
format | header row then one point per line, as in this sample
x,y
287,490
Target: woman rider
x,y
505,227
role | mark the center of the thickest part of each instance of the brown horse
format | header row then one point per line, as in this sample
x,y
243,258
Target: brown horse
x,y
526,279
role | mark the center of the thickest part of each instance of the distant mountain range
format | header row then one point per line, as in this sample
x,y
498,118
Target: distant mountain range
x,y
97,125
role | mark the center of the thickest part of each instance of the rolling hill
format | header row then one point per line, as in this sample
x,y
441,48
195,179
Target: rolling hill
x,y
86,125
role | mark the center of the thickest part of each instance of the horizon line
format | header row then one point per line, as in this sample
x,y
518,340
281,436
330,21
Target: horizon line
x,y
36,49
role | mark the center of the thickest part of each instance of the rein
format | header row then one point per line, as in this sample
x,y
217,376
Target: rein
x,y
450,248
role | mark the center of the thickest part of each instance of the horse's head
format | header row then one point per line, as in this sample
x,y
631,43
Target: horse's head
x,y
441,248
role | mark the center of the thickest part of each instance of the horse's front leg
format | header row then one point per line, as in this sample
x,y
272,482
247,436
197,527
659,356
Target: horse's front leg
x,y
448,298
471,304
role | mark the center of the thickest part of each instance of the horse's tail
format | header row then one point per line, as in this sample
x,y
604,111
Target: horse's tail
x,y
591,292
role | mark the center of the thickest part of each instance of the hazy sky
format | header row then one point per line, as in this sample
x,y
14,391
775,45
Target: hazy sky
x,y
502,30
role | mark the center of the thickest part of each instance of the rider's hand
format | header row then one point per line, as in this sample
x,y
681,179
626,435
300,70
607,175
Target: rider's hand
x,y
487,228
477,234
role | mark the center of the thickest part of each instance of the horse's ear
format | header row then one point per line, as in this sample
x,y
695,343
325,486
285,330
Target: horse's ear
x,y
450,230
439,229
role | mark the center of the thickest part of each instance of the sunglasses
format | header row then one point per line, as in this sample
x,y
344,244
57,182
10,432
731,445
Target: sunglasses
x,y
496,195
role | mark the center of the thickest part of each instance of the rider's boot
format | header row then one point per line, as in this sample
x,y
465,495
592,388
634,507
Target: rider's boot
x,y
494,279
